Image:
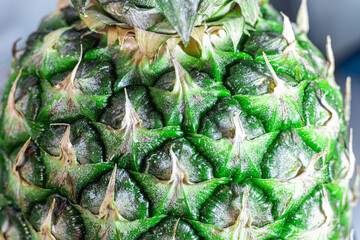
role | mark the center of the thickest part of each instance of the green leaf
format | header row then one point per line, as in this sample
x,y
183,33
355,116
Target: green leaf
x,y
187,101
234,24
79,5
129,13
95,18
142,18
250,10
208,7
181,14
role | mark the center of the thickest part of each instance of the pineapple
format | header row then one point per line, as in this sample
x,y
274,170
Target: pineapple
x,y
169,119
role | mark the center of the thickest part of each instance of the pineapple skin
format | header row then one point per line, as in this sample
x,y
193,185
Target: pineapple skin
x,y
132,134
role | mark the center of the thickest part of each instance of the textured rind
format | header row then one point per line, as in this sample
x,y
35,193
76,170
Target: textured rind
x,y
250,164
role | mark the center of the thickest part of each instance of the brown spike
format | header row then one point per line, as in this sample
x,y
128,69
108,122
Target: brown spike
x,y
243,220
11,107
174,229
45,228
14,48
131,120
20,157
68,83
108,208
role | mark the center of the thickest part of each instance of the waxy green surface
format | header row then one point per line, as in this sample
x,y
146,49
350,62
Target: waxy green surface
x,y
201,142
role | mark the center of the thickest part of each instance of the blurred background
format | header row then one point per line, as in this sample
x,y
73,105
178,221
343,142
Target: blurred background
x,y
339,19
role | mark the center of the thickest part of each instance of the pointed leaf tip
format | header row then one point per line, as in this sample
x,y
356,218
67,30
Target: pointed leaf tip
x,y
240,134
328,211
330,56
131,119
302,19
271,69
245,200
352,158
250,10
181,14
108,202
46,227
288,32
178,172
20,155
11,98
347,108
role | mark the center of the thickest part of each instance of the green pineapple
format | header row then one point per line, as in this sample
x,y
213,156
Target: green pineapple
x,y
174,119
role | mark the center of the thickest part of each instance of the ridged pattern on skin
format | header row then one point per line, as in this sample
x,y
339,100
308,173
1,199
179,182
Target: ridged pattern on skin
x,y
199,142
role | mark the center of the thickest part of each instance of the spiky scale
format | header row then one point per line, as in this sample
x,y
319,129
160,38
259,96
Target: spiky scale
x,y
177,195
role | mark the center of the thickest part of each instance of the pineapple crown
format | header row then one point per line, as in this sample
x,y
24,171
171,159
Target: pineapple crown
x,y
171,17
